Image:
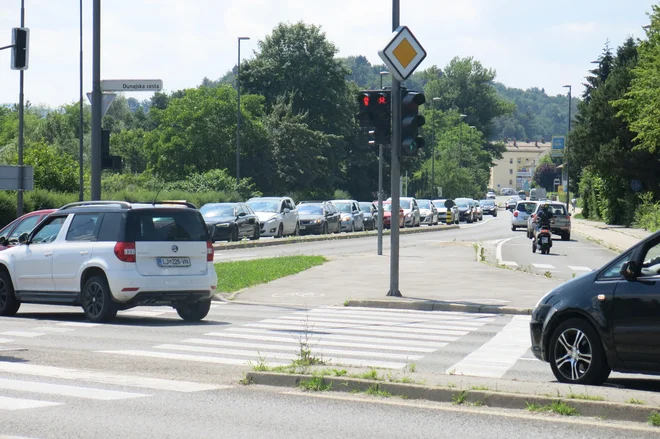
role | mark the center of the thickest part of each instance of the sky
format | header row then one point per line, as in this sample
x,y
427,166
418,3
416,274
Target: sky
x,y
529,43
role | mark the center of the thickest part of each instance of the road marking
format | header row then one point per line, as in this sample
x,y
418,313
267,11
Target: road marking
x,y
398,314
142,313
103,377
22,334
73,391
498,251
7,403
499,354
79,324
184,357
311,321
6,340
544,266
579,268
382,331
53,329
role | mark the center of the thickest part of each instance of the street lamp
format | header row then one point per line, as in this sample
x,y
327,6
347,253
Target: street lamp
x,y
238,112
434,100
381,78
568,199
460,140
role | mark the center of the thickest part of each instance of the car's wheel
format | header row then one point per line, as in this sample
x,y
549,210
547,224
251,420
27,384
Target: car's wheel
x,y
296,231
324,229
97,301
280,231
566,237
8,303
513,228
352,227
256,234
576,354
233,234
194,312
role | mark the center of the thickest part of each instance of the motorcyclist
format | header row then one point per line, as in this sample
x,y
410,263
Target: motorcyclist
x,y
543,217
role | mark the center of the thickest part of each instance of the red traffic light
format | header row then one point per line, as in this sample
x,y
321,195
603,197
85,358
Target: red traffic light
x,y
365,100
382,100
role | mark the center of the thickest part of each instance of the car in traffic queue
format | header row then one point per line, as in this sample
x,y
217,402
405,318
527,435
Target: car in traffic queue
x,y
491,195
278,216
352,218
411,215
465,210
561,220
9,234
602,321
488,207
447,215
230,221
370,212
428,213
319,218
511,203
387,215
521,213
477,208
109,256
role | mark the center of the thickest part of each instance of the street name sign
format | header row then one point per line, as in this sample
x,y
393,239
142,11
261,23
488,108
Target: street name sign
x,y
9,177
403,54
105,102
132,85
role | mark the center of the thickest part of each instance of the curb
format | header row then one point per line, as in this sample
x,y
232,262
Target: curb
x,y
430,305
609,410
296,240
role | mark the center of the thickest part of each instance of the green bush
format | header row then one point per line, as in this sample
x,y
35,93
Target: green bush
x,y
647,214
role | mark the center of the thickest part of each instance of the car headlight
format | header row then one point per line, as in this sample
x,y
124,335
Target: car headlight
x,y
408,215
318,221
273,219
345,218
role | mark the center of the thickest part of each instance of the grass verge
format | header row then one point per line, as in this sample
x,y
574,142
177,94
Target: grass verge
x,y
236,275
558,407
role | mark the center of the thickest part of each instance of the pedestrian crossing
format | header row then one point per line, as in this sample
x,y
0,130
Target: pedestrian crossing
x,y
340,336
550,267
31,386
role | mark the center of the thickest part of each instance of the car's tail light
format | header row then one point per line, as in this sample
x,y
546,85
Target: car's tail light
x,y
209,251
515,214
125,251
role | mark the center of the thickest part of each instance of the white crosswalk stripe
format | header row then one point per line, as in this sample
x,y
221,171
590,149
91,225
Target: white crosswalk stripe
x,y
579,268
45,328
57,384
544,266
361,337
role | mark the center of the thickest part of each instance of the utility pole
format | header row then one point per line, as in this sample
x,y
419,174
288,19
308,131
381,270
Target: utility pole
x,y
396,170
97,101
238,112
568,178
81,189
21,129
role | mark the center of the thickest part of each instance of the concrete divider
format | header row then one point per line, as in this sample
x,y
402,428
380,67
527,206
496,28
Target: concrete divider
x,y
431,305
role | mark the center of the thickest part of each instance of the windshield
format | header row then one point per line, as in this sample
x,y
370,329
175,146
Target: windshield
x,y
387,207
310,209
264,205
344,207
462,203
405,204
487,202
365,206
424,204
213,210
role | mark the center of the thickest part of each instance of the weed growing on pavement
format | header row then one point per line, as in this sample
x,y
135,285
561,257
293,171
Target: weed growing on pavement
x,y
246,381
346,302
483,388
260,365
585,397
482,255
452,372
573,277
478,403
284,369
635,401
459,398
375,390
412,367
316,384
558,407
548,274
330,372
654,419
304,357
450,385
236,275
371,375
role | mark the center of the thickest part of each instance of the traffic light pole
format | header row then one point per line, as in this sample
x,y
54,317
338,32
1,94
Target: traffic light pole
x,y
97,101
21,137
396,171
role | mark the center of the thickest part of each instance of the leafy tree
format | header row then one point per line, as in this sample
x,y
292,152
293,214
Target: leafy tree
x,y
52,170
545,174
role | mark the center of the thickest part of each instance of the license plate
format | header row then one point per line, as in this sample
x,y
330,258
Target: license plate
x,y
544,240
173,262
302,227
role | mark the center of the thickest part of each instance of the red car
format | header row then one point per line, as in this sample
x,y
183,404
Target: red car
x,y
387,215
10,233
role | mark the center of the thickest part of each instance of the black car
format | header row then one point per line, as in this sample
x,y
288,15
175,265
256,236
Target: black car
x,y
465,212
605,320
370,214
230,221
319,217
488,207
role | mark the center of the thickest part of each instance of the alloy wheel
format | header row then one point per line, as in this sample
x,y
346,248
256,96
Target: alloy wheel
x,y
93,299
573,354
4,294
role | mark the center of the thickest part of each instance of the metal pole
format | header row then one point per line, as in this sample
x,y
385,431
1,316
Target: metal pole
x,y
81,191
433,150
380,196
396,171
238,116
568,190
460,144
21,128
97,99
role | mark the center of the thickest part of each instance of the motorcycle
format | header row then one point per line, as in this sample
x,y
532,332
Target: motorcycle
x,y
543,240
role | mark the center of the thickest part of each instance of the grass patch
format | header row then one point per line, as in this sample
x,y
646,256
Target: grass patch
x,y
585,397
375,390
236,275
483,388
578,216
316,384
330,372
558,407
635,401
548,274
371,375
654,419
459,398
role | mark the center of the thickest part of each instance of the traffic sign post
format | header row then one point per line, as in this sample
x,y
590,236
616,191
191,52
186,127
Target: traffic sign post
x,y
403,54
108,98
558,146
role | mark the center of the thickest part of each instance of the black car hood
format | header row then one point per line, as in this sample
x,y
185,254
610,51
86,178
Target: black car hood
x,y
219,219
310,217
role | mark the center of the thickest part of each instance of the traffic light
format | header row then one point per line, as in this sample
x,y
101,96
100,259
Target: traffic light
x,y
375,112
20,37
108,161
411,121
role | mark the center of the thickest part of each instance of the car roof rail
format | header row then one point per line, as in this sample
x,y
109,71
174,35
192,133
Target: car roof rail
x,y
174,202
122,204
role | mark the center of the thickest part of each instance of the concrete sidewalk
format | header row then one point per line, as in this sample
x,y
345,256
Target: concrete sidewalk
x,y
618,238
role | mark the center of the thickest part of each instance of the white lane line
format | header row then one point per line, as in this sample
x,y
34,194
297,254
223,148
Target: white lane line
x,y
79,324
103,377
7,403
260,350
53,329
316,342
294,337
22,334
498,250
544,266
579,268
373,330
464,326
499,354
399,312
184,357
73,391
6,340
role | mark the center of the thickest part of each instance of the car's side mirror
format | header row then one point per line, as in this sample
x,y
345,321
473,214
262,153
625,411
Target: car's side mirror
x,y
242,214
286,210
4,241
23,239
629,270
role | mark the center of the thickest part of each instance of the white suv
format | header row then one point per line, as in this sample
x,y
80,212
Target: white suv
x,y
278,216
110,256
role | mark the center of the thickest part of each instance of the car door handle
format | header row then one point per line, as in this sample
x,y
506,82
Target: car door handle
x,y
48,254
84,252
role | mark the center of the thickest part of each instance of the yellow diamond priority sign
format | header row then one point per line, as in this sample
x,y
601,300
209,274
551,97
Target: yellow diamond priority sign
x,y
403,54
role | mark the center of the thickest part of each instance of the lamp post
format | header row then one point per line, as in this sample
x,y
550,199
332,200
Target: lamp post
x,y
380,185
433,145
460,141
238,112
81,188
568,178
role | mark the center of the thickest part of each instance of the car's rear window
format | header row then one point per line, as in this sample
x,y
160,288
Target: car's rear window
x,y
167,225
558,209
526,207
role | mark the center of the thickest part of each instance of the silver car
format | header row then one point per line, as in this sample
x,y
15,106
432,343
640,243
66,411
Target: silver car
x,y
411,215
428,213
278,216
561,221
447,216
521,213
352,218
